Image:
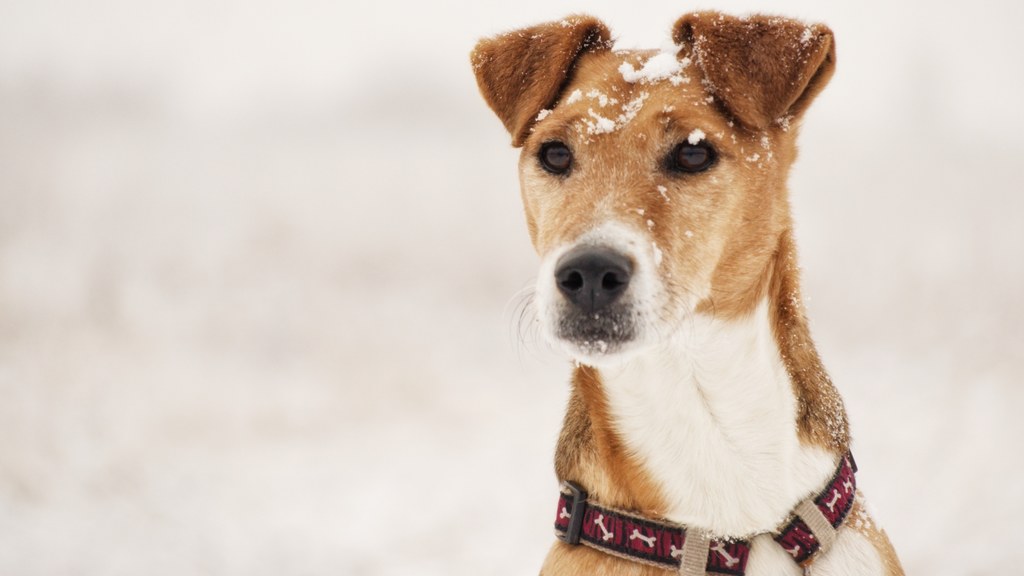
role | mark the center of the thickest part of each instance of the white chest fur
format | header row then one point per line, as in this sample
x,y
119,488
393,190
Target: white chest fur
x,y
711,418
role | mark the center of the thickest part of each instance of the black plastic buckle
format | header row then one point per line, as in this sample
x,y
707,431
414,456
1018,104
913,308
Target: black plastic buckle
x,y
576,512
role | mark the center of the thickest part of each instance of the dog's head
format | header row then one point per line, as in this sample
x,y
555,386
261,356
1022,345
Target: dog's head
x,y
654,183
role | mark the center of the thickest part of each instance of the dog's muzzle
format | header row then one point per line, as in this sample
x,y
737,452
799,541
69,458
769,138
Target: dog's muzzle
x,y
592,278
594,316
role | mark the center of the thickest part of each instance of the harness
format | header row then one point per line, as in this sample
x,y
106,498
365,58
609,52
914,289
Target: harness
x,y
810,530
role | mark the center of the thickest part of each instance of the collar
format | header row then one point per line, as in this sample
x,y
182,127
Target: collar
x,y
810,530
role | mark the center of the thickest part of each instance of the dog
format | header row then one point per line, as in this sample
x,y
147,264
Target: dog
x,y
702,434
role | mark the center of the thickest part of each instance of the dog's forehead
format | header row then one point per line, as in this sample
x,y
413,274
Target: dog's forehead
x,y
640,69
611,90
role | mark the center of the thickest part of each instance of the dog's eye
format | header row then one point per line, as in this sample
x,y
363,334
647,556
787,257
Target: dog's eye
x,y
555,157
692,158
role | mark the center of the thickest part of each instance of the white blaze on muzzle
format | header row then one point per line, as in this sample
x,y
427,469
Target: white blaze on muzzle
x,y
598,296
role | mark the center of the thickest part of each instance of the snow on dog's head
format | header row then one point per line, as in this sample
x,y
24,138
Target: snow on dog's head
x,y
653,182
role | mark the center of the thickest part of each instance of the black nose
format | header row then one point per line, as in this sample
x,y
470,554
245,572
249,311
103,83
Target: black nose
x,y
593,277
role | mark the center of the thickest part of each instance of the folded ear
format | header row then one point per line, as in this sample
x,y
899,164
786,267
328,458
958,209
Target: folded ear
x,y
761,68
523,72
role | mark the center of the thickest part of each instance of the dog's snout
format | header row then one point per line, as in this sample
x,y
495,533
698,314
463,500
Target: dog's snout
x,y
593,277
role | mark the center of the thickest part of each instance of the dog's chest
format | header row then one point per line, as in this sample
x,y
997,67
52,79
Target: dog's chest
x,y
711,419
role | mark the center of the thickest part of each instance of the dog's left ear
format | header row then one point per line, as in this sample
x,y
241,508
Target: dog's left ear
x,y
523,72
761,68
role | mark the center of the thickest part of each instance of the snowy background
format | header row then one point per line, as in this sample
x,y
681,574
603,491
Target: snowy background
x,y
259,265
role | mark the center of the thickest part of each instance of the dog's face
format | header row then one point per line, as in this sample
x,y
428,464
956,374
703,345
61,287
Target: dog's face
x,y
634,192
653,183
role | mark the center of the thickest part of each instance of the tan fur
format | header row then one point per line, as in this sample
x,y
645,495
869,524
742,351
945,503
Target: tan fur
x,y
732,231
821,416
862,522
589,450
748,84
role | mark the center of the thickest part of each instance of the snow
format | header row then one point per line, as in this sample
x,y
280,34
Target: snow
x,y
631,109
807,35
662,66
238,337
574,97
600,124
602,98
695,136
598,346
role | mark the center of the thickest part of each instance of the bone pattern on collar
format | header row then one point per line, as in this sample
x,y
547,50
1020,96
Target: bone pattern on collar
x,y
660,543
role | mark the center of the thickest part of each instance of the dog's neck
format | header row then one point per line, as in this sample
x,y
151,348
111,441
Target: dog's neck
x,y
717,429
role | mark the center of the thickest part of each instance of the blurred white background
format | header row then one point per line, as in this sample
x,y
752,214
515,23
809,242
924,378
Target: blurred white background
x,y
259,265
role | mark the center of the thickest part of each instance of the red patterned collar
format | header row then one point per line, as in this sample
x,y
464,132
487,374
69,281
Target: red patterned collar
x,y
810,529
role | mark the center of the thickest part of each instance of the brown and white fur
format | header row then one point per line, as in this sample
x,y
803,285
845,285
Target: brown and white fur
x,y
698,397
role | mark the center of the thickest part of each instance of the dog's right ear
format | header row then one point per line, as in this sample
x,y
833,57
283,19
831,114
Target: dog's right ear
x,y
523,72
761,68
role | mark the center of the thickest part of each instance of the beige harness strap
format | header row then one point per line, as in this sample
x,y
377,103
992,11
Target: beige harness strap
x,y
695,553
819,525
